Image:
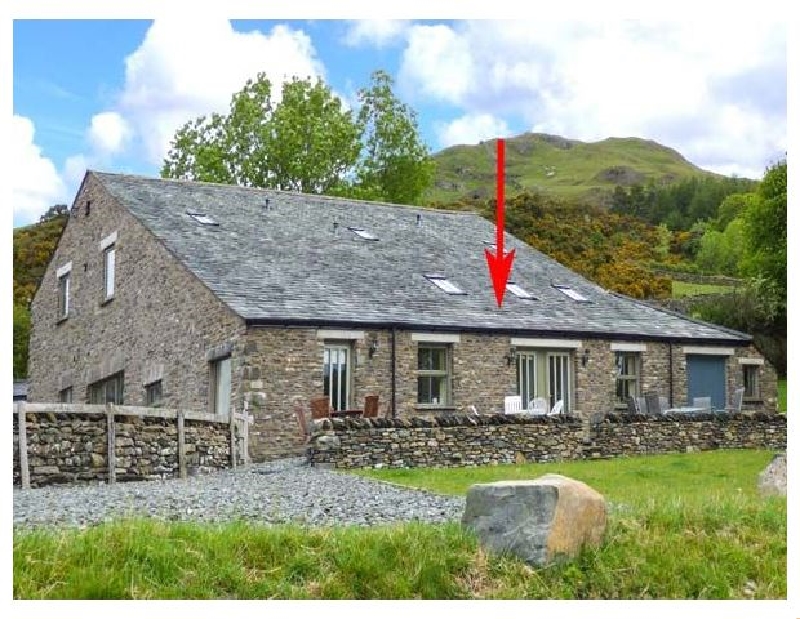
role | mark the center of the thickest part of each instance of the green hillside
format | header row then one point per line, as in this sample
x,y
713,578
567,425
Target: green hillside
x,y
551,164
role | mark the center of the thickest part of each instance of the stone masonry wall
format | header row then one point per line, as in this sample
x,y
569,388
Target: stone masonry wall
x,y
160,323
459,440
281,366
72,449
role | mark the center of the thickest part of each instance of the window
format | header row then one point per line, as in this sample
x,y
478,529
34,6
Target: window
x,y
203,219
626,375
444,284
546,374
107,390
571,293
153,394
518,291
360,232
65,396
63,295
221,386
109,265
432,375
751,382
336,375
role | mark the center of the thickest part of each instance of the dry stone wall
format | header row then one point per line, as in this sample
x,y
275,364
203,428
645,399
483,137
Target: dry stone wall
x,y
460,440
73,449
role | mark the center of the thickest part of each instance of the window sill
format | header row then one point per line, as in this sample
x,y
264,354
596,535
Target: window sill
x,y
106,301
62,320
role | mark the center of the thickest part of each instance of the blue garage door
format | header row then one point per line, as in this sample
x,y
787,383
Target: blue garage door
x,y
706,374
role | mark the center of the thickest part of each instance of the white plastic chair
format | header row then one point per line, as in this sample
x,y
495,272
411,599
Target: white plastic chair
x,y
558,408
513,404
538,406
703,402
738,399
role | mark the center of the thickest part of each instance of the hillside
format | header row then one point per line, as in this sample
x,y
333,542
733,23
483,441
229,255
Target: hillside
x,y
562,167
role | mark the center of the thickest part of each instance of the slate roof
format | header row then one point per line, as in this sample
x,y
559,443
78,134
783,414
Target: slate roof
x,y
287,265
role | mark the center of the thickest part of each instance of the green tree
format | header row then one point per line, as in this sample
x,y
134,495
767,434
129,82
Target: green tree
x,y
395,165
22,330
731,207
765,230
721,252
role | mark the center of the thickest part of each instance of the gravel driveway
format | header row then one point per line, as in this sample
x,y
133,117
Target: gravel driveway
x,y
277,492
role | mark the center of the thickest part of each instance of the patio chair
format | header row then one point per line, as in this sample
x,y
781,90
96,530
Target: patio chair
x,y
663,403
538,406
300,414
702,402
513,404
641,405
320,408
736,404
633,406
558,409
653,403
370,406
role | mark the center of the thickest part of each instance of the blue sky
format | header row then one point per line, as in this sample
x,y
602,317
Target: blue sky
x,y
109,94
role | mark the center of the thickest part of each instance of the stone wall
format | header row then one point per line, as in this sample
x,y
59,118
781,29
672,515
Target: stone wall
x,y
159,324
460,440
72,449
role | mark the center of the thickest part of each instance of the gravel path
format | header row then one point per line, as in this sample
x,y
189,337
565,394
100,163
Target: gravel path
x,y
277,492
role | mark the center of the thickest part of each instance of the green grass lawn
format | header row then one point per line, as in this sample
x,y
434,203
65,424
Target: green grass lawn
x,y
680,526
688,289
782,395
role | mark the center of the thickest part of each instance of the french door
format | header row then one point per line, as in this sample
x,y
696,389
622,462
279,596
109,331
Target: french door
x,y
558,379
336,375
526,377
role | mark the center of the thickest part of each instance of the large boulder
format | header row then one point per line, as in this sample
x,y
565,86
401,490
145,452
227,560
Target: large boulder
x,y
772,479
541,521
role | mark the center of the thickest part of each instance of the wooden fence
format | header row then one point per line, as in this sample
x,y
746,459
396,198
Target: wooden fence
x,y
239,425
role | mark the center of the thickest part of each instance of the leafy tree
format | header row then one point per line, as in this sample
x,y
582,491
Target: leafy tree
x,y
732,207
396,165
765,230
308,142
721,252
22,329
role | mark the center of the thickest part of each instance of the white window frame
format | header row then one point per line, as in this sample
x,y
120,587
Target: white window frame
x,y
65,395
361,233
441,282
527,381
339,402
202,218
149,390
109,271
220,400
636,377
101,386
446,373
756,374
571,293
63,295
564,361
518,291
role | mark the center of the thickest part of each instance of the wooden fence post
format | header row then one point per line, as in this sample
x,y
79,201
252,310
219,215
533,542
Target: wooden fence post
x,y
24,473
181,446
111,444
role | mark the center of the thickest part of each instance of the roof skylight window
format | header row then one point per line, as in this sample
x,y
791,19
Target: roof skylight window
x,y
445,284
571,293
202,218
360,232
518,291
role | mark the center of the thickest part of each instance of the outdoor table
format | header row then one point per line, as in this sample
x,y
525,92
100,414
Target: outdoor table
x,y
347,413
686,410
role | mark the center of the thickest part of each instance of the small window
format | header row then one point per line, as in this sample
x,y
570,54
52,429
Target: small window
x,y
490,245
203,219
752,389
433,385
571,293
627,376
360,232
518,291
109,267
108,390
337,374
63,296
65,396
88,207
153,394
220,400
445,284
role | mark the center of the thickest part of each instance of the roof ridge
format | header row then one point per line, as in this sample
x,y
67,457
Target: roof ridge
x,y
290,193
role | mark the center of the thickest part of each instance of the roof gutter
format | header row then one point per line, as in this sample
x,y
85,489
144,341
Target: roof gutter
x,y
544,333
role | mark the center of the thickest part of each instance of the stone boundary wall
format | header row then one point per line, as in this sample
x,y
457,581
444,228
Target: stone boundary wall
x,y
699,278
461,440
72,447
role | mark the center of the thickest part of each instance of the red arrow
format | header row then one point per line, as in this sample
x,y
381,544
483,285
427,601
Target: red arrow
x,y
499,263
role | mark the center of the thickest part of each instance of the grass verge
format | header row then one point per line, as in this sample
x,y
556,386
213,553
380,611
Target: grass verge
x,y
782,395
682,526
688,289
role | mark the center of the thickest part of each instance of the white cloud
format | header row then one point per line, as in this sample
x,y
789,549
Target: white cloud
x,y
108,132
180,72
471,129
694,86
376,32
35,183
